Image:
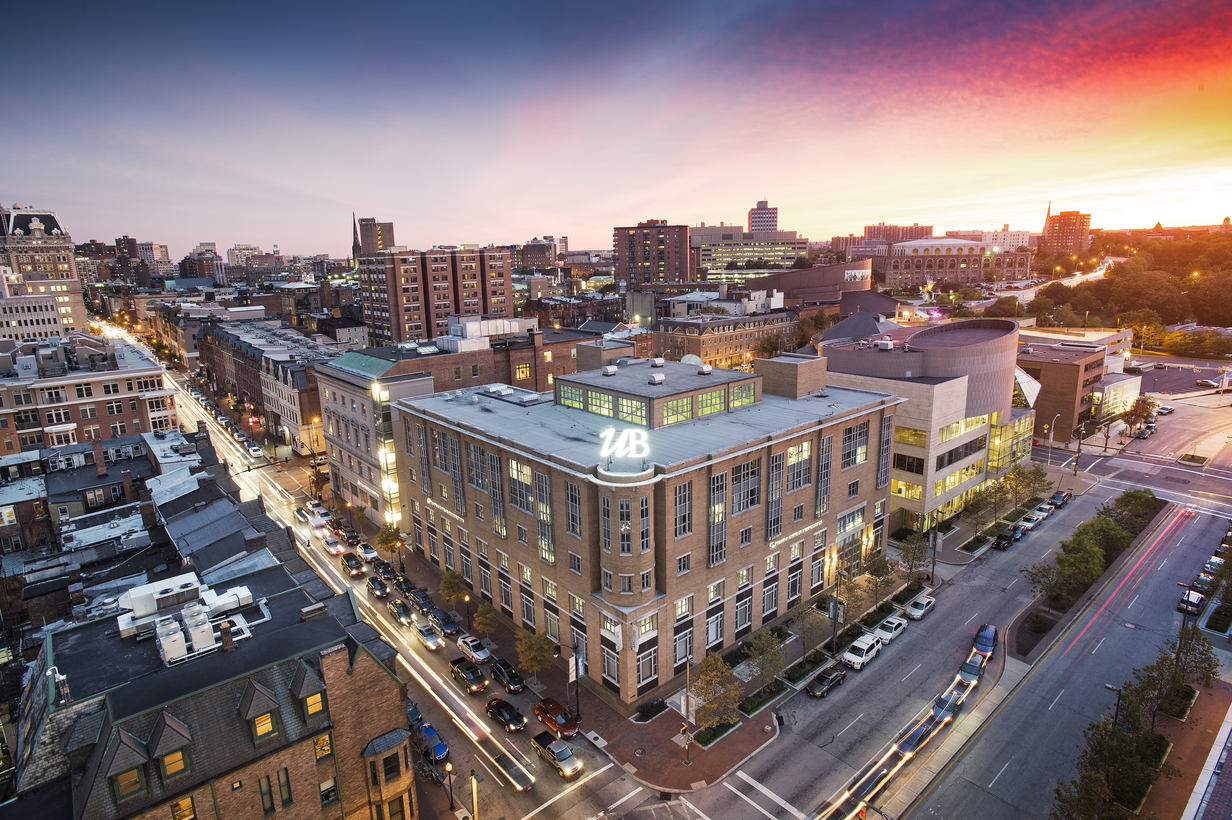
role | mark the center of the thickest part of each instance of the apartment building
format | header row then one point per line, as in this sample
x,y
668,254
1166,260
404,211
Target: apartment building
x,y
651,511
1068,231
651,251
38,249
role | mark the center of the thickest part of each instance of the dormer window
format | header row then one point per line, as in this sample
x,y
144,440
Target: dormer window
x,y
129,783
315,705
264,726
173,763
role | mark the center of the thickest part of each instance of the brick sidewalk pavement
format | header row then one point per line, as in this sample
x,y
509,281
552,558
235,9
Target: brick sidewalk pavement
x,y
1191,743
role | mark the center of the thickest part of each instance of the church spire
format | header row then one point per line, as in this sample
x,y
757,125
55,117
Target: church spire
x,y
354,243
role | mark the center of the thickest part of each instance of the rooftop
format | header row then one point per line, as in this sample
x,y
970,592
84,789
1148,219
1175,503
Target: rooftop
x,y
1063,355
631,377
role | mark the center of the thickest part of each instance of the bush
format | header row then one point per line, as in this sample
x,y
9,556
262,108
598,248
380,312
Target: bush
x,y
1039,624
912,590
1220,619
803,668
709,735
650,710
762,696
1179,701
737,656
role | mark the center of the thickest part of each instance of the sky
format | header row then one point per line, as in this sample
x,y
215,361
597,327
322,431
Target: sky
x,y
482,122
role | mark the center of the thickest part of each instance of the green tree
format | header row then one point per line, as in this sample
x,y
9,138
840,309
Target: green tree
x,y
1047,578
1038,482
766,658
1132,509
485,618
978,510
361,516
773,345
718,691
453,587
1109,536
809,625
389,540
534,651
1081,558
1086,797
1017,485
913,554
717,310
881,571
1121,758
802,261
1006,307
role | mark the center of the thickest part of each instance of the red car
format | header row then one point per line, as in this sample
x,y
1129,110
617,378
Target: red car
x,y
557,719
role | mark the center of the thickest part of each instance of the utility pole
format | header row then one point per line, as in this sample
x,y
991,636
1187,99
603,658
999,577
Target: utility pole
x,y
1079,455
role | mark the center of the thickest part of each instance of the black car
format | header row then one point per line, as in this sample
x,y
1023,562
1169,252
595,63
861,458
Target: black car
x,y
384,570
509,677
413,716
948,705
351,563
421,600
826,680
1147,433
350,536
1060,499
468,674
377,588
443,623
403,586
506,714
519,778
400,613
1004,540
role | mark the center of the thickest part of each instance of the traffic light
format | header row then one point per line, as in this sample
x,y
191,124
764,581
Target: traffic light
x,y
684,728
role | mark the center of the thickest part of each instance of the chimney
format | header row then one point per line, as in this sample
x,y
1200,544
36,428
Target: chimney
x,y
99,461
148,519
127,477
228,643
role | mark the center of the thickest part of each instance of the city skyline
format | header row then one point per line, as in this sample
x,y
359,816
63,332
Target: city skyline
x,y
500,125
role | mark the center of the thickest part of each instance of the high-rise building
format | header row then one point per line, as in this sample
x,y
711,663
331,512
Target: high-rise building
x,y
409,295
714,247
653,251
152,253
38,248
374,236
241,253
763,218
898,233
1068,231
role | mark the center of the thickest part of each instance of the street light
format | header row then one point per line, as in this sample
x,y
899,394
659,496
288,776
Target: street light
x,y
1050,431
449,777
466,599
1116,715
475,779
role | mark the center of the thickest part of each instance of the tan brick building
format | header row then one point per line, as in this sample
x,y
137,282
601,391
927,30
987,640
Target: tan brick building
x,y
651,511
720,341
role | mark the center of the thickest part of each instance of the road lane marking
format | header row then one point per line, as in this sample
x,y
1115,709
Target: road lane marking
x,y
1098,645
794,811
1003,768
849,725
972,618
1131,603
574,787
1161,566
912,672
623,799
699,812
1097,461
745,797
1057,698
1011,583
1045,555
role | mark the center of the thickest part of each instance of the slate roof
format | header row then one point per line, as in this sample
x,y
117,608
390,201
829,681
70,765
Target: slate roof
x,y
390,740
859,326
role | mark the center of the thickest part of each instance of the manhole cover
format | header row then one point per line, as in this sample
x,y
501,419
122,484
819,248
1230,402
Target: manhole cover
x,y
642,752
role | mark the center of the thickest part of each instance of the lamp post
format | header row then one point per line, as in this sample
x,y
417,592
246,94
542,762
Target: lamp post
x,y
1116,714
1051,427
466,599
350,518
475,778
449,778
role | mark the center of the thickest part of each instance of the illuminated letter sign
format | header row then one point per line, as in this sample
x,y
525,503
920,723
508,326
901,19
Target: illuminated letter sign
x,y
629,444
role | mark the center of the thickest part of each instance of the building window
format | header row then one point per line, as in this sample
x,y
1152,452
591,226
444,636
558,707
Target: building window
x,y
631,410
605,523
684,607
284,784
611,665
793,585
648,665
506,594
883,457
573,509
799,465
824,456
173,763
520,485
329,792
742,394
129,783
323,746
395,809
528,610
684,508
392,767
646,580
521,534
264,726
626,584
644,507
746,486
855,445
571,396
578,607
717,514
607,579
522,371
744,613
770,599
183,809
682,646
677,410
575,562
267,795
600,403
714,629
853,488
314,704
682,564
625,511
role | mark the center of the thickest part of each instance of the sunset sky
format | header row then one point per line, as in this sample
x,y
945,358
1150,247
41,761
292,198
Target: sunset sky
x,y
472,121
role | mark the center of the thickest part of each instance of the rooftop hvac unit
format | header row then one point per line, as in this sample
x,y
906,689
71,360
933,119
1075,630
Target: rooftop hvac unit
x,y
885,344
200,632
609,370
171,644
704,370
656,362
655,378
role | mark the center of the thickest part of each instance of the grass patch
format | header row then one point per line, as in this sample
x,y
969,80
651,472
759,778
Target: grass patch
x,y
762,696
651,710
801,669
1220,619
712,733
1179,701
1190,458
909,592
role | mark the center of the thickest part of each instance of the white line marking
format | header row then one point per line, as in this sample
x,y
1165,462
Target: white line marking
x,y
745,797
1097,461
1011,583
576,785
1131,603
1045,555
972,618
849,725
794,811
912,672
623,799
1097,646
1161,566
1057,698
694,808
1003,768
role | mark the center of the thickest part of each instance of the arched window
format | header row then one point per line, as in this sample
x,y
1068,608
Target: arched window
x,y
915,251
948,251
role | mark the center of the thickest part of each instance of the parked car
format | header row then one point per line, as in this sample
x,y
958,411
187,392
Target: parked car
x,y
255,451
1145,433
428,637
1191,603
1207,383
1043,510
506,714
403,586
474,649
1165,410
413,716
400,613
443,623
1204,583
825,680
376,588
1004,540
972,669
469,675
1213,564
889,629
920,607
368,551
918,736
557,719
350,536
557,753
947,706
985,640
1060,498
864,649
1030,521
384,570
518,777
351,564
429,744
332,546
421,600
508,676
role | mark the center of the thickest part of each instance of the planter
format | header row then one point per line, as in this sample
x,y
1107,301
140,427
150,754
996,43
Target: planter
x,y
649,712
1179,703
801,669
708,737
762,698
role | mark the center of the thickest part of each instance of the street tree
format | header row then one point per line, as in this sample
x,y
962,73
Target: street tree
x,y
766,658
534,651
361,516
1017,485
978,509
773,345
1110,536
718,691
453,587
880,572
485,618
1081,558
808,625
1086,797
1048,579
389,540
1037,481
913,554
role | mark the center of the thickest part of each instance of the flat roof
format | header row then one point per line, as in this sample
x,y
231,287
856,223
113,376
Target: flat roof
x,y
633,378
1064,355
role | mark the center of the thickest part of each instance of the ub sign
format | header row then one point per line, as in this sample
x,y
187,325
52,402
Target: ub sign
x,y
625,444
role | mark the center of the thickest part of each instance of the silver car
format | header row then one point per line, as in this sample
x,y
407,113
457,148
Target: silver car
x,y
428,637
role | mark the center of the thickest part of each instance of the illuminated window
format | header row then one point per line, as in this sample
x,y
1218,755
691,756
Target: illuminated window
x,y
173,763
742,394
522,371
324,746
711,402
129,783
600,403
264,725
183,809
314,704
677,410
631,410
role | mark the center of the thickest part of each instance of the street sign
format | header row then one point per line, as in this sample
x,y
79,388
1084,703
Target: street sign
x,y
573,669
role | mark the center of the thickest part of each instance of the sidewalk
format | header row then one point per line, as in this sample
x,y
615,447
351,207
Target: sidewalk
x,y
651,751
1192,742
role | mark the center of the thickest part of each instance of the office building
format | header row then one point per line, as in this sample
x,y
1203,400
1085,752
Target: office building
x,y
240,253
409,295
1077,386
714,248
763,218
650,511
1068,232
958,428
651,251
372,237
38,249
1004,239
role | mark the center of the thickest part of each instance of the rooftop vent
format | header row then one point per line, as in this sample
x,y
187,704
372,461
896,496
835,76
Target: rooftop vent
x,y
655,378
609,370
656,362
885,344
704,370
